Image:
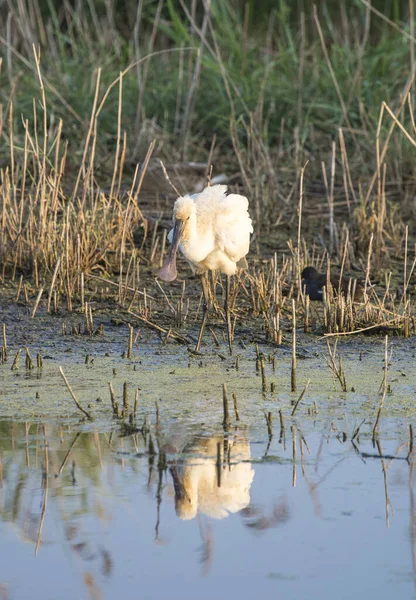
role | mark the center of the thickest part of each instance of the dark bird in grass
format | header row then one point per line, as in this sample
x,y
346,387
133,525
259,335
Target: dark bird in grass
x,y
314,283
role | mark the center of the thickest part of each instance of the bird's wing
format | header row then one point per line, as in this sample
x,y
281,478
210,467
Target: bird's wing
x,y
233,226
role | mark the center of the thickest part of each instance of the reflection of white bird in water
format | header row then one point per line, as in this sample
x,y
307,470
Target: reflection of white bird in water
x,y
216,490
212,231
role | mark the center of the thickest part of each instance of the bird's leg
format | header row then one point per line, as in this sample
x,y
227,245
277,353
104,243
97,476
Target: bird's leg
x,y
205,308
227,313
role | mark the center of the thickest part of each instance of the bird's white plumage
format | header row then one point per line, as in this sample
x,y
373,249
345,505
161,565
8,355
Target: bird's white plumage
x,y
198,477
217,230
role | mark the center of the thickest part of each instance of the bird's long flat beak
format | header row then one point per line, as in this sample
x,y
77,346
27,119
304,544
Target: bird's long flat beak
x,y
168,272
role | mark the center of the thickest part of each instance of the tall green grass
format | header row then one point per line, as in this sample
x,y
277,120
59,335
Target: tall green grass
x,y
272,56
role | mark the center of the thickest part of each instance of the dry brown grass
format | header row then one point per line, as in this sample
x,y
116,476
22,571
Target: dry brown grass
x,y
63,237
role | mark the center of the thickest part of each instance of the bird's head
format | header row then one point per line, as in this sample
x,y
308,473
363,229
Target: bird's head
x,y
310,273
183,208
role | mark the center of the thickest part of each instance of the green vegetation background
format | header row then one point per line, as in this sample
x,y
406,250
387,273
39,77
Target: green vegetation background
x,y
272,54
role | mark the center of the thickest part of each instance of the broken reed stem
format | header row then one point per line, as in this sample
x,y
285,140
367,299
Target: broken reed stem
x,y
293,429
237,415
282,424
136,403
125,399
218,464
306,322
410,441
130,348
386,362
86,413
114,402
35,308
300,397
226,421
293,371
269,420
67,455
15,364
28,361
214,337
263,375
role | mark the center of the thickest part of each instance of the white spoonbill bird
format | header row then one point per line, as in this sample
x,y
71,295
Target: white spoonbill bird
x,y
212,230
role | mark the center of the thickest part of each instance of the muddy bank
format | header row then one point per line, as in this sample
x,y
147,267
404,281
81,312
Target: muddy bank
x,y
188,386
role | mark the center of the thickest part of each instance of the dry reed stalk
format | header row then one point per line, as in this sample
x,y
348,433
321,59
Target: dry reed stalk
x,y
382,154
306,321
237,414
157,413
55,273
45,493
215,338
378,325
226,420
19,289
28,360
263,375
67,455
218,464
114,402
300,397
82,285
300,204
91,130
337,370
282,424
293,369
130,345
176,336
125,399
86,413
269,420
293,430
384,386
15,364
117,285
4,337
35,308
348,186
410,441
136,403
367,272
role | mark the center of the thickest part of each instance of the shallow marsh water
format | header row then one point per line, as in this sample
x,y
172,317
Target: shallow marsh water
x,y
89,513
